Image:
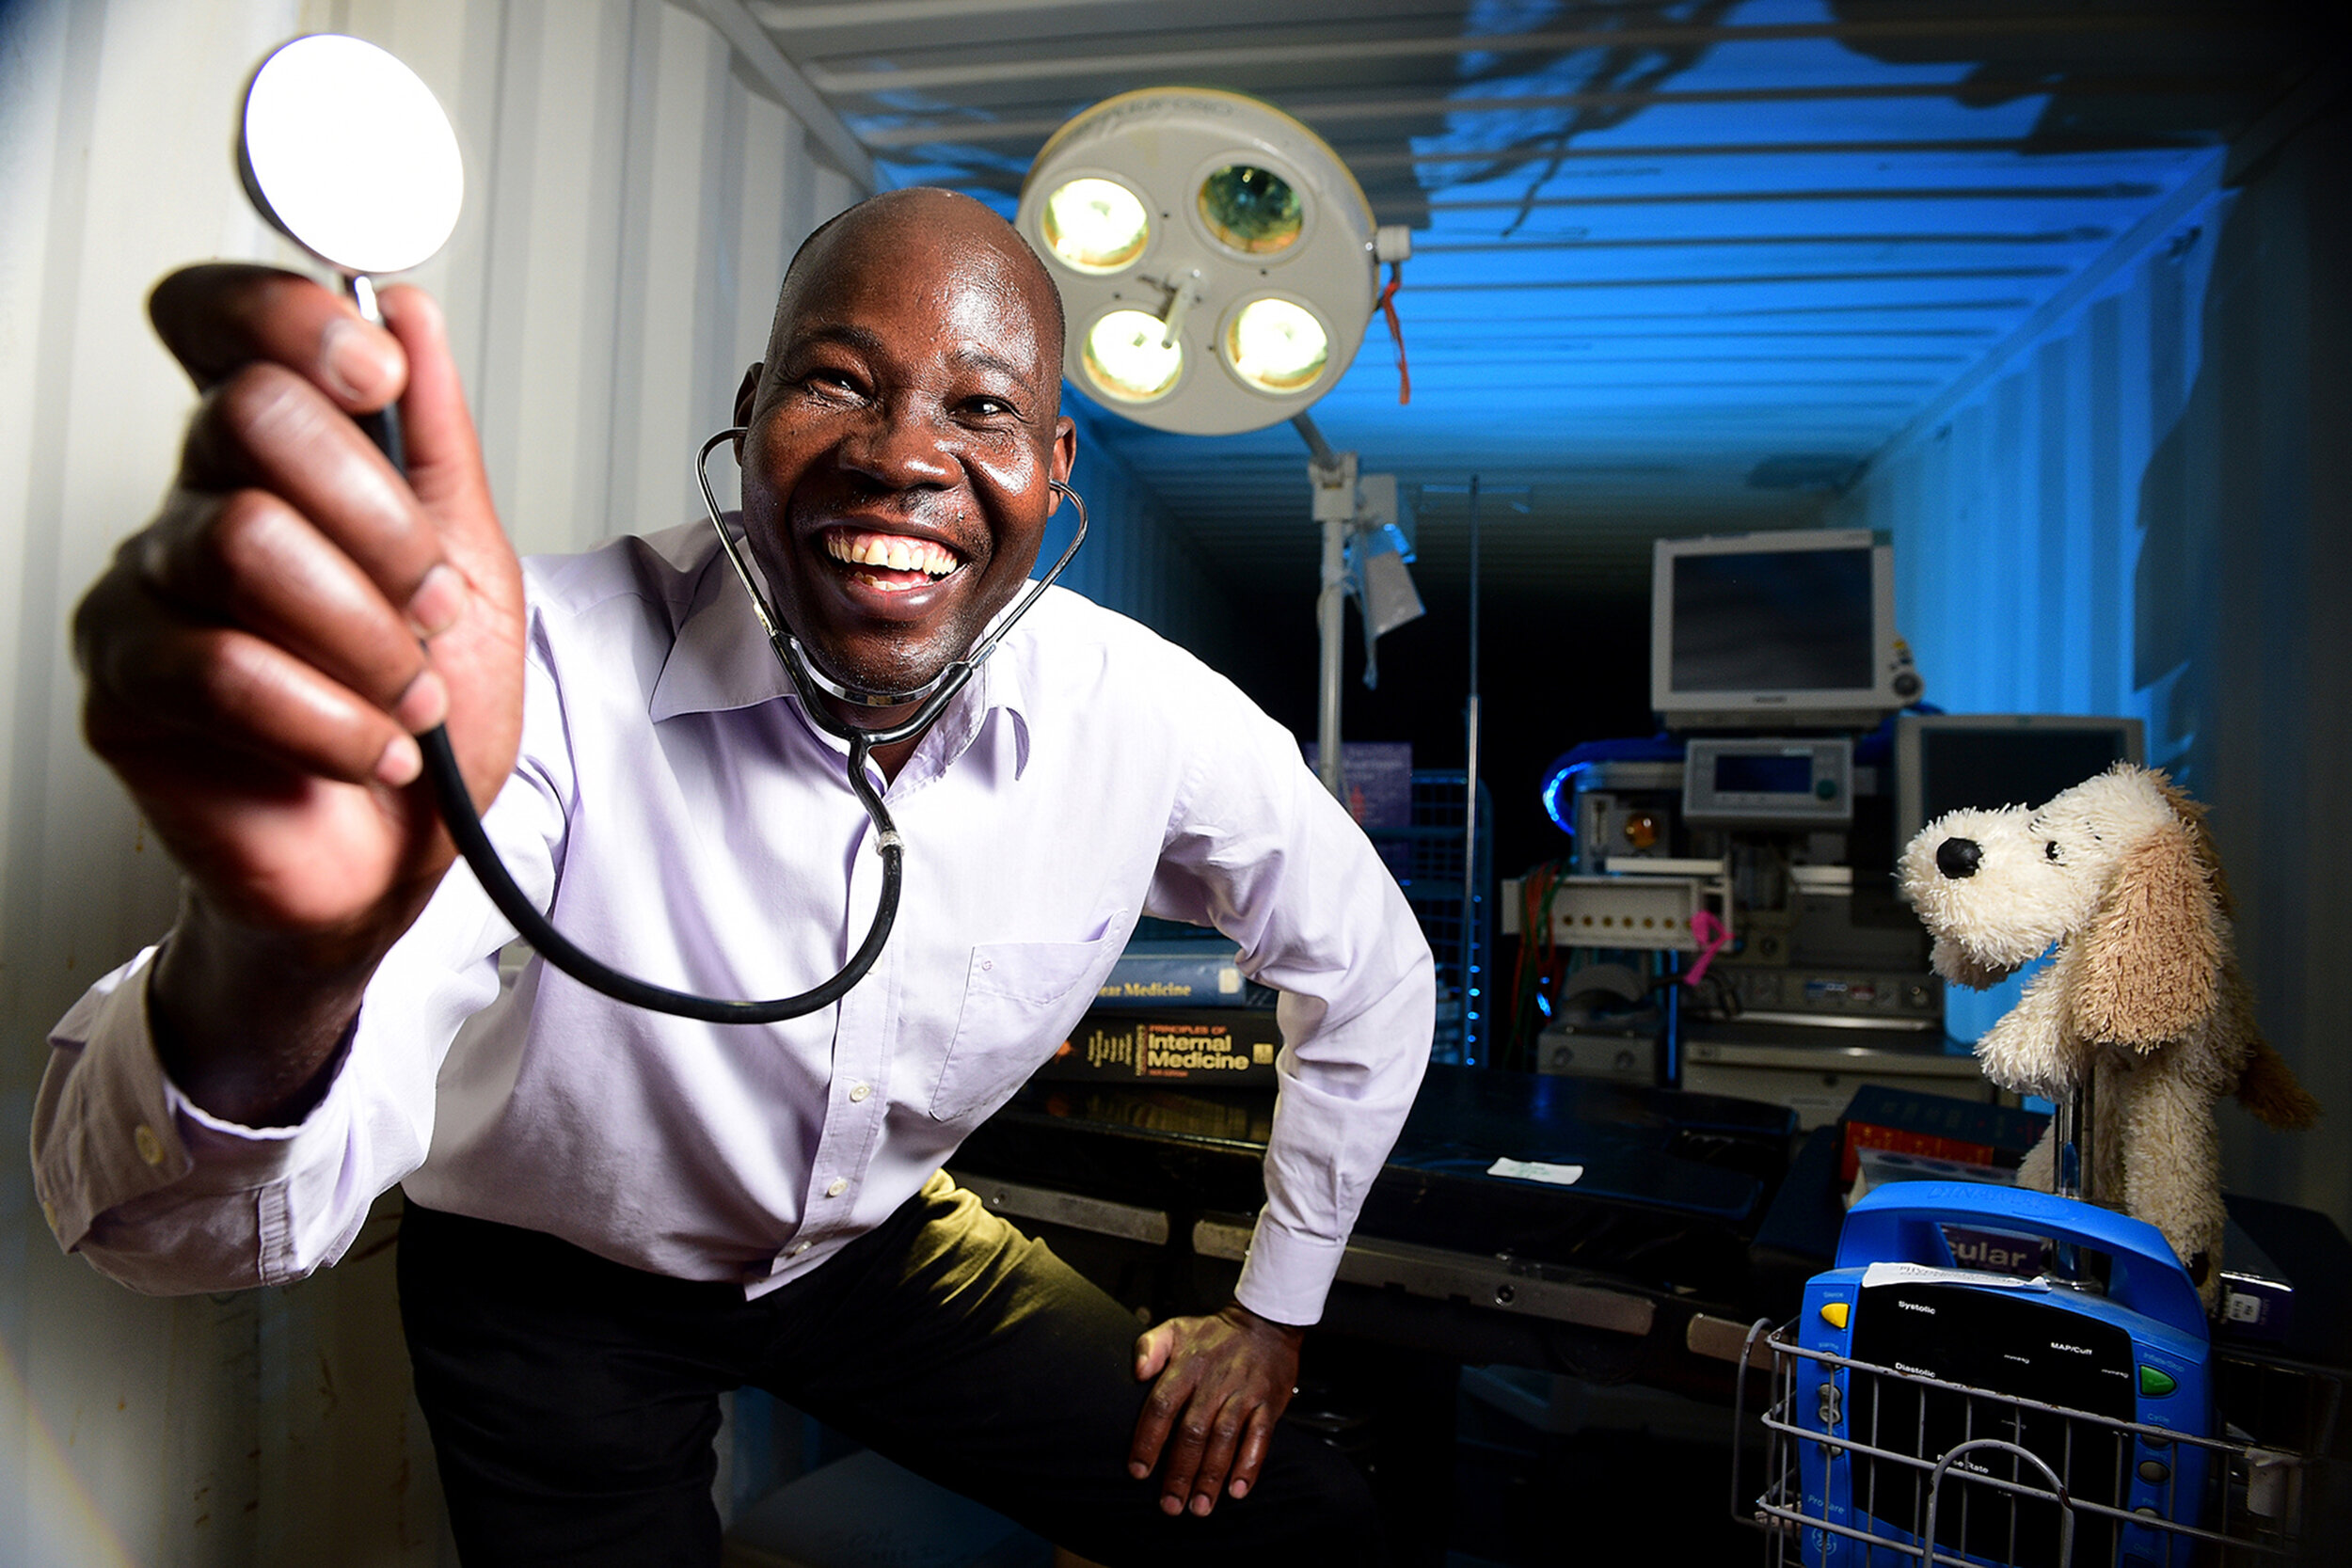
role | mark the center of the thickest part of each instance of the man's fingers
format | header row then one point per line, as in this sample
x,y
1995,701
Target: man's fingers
x,y
1253,1449
1194,1433
156,673
1161,1408
1225,1429
232,324
218,318
254,561
267,429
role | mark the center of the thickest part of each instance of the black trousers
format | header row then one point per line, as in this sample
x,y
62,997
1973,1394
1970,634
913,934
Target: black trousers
x,y
573,1400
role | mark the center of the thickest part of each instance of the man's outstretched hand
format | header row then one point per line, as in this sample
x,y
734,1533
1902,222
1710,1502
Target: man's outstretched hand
x,y
260,656
1221,1384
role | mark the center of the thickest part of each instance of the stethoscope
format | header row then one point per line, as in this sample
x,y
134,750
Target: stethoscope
x,y
296,164
814,688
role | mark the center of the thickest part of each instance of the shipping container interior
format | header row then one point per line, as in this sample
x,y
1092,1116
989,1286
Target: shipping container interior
x,y
2051,299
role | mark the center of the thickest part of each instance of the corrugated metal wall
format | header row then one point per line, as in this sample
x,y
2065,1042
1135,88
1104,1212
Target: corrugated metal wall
x,y
2014,555
1138,560
2149,511
635,194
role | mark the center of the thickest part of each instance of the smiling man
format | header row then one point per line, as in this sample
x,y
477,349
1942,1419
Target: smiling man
x,y
615,1217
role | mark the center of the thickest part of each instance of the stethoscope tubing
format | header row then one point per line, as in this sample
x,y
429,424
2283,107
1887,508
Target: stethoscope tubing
x,y
473,843
473,840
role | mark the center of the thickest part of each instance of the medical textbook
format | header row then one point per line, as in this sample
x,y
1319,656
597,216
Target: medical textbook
x,y
1193,974
1196,1047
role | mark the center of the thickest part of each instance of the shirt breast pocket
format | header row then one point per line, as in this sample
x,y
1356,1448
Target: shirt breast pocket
x,y
1019,999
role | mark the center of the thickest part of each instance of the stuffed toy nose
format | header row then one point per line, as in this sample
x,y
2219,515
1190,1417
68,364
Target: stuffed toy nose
x,y
1958,857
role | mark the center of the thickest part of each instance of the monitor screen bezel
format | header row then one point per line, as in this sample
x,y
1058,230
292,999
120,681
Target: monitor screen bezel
x,y
1835,705
1911,787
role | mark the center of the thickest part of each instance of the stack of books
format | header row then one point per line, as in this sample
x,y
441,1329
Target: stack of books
x,y
1174,1010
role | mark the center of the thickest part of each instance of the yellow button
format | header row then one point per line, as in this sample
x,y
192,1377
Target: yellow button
x,y
150,1148
1834,1313
48,1213
858,1093
837,1187
801,1247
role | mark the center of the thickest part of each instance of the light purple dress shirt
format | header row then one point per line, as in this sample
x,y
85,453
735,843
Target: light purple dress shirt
x,y
677,814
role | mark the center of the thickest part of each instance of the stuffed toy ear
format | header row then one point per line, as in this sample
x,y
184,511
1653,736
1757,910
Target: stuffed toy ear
x,y
2150,958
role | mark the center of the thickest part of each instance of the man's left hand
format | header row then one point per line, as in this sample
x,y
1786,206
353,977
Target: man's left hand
x,y
1222,1382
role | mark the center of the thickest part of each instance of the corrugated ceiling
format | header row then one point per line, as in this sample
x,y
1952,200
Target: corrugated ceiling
x,y
1676,266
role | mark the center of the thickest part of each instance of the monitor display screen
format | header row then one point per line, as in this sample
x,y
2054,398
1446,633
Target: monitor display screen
x,y
1988,768
1774,621
1746,774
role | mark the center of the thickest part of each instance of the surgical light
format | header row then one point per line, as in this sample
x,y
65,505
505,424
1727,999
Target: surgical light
x,y
1129,356
1218,261
1230,297
1095,226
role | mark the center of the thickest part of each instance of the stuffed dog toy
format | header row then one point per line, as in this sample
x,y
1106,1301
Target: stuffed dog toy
x,y
2143,991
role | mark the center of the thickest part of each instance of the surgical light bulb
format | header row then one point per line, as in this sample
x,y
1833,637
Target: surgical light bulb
x,y
1252,210
1096,226
1275,346
1127,356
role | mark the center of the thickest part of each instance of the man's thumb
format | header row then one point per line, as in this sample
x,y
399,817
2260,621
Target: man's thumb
x,y
1151,1347
444,455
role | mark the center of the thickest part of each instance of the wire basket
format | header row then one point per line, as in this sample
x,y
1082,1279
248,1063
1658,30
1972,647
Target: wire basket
x,y
1427,860
1991,1477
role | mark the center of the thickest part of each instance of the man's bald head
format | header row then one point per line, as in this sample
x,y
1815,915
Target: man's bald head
x,y
874,231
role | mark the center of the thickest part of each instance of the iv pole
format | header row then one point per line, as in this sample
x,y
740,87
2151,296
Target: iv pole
x,y
2072,1174
1335,509
1334,478
1471,990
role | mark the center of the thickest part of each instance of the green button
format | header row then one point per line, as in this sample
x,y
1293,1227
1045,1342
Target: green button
x,y
2155,1383
1826,789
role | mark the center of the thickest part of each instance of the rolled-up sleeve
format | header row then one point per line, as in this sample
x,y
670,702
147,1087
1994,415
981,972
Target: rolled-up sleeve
x,y
1260,851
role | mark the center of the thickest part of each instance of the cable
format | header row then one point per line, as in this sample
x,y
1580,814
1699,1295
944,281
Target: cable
x,y
1538,956
1386,305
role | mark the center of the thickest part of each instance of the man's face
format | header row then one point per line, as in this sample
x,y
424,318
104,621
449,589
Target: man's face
x,y
904,435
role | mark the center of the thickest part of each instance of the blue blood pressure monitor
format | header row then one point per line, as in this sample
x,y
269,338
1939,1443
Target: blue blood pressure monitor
x,y
2137,1354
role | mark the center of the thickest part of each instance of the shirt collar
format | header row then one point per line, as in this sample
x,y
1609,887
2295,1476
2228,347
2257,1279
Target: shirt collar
x,y
720,659
721,662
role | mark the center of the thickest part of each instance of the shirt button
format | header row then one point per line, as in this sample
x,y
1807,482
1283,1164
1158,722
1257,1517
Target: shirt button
x,y
858,1093
836,1187
801,1248
150,1148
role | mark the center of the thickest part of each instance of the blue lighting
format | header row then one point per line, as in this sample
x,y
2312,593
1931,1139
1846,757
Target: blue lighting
x,y
1562,775
1717,274
1553,786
